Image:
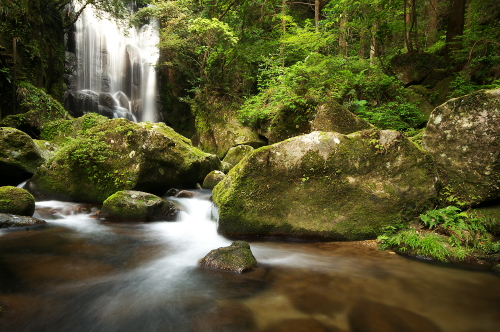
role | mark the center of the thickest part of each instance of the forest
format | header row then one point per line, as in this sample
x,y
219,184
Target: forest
x,y
249,165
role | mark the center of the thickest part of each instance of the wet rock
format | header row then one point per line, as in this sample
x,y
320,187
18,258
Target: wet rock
x,y
185,194
326,185
236,153
463,136
172,192
377,317
19,156
237,258
117,155
10,220
132,205
212,179
15,200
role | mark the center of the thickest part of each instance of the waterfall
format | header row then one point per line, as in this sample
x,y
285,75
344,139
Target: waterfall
x,y
113,68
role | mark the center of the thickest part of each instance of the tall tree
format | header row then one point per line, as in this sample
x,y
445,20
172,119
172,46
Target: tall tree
x,y
456,23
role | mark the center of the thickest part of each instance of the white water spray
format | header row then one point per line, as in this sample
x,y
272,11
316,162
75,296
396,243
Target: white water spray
x,y
116,76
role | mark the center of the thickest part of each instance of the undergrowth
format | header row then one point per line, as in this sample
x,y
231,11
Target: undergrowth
x,y
448,235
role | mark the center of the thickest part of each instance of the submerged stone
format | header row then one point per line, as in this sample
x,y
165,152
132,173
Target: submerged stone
x,y
132,205
326,185
237,257
463,136
15,200
10,220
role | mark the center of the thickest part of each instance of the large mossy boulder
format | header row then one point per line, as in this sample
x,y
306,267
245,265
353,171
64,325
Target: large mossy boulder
x,y
122,155
19,156
17,201
326,185
299,119
463,136
237,257
130,205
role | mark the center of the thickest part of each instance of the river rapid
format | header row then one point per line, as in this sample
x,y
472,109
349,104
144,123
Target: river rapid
x,y
80,274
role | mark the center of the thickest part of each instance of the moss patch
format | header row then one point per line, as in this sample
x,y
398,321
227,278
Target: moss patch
x,y
17,201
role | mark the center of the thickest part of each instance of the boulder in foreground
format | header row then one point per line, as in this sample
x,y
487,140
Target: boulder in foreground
x,y
326,185
237,257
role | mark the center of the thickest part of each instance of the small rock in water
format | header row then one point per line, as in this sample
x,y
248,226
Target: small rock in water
x,y
11,220
237,257
185,194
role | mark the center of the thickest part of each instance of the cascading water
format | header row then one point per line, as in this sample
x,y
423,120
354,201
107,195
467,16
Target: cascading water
x,y
113,70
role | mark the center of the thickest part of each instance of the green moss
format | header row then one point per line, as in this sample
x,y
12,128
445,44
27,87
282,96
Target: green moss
x,y
342,188
16,201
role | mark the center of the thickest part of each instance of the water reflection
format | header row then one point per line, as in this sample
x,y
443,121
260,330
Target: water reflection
x,y
78,274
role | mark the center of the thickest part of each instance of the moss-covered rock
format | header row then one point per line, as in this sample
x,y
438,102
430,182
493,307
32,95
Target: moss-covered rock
x,y
414,68
36,109
139,206
417,96
10,220
463,136
17,201
19,156
236,153
218,137
212,179
121,155
59,131
237,257
327,185
303,119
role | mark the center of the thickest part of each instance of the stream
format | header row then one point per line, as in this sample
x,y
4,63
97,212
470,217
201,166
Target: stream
x,y
79,274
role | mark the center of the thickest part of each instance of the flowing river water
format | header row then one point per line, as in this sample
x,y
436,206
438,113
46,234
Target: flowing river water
x,y
80,274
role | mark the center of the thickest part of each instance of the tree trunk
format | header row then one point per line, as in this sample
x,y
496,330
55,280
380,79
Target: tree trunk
x,y
432,12
317,12
456,22
343,45
374,48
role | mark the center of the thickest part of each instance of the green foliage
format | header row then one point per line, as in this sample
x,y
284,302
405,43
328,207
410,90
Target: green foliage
x,y
451,235
424,245
401,116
